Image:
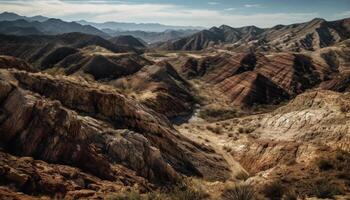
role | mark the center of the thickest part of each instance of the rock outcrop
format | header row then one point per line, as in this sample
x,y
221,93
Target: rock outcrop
x,y
7,62
96,129
161,88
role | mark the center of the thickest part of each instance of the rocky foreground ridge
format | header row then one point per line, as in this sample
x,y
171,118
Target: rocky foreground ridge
x,y
97,136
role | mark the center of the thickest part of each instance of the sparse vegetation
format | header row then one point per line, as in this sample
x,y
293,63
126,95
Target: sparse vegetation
x,y
183,191
242,175
239,192
290,195
273,190
227,149
324,188
186,192
218,113
345,108
325,165
246,130
130,195
215,129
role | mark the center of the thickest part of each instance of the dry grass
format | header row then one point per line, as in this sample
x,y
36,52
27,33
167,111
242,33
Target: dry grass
x,y
242,175
324,188
186,190
239,192
218,113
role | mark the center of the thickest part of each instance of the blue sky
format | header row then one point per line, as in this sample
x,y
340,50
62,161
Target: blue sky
x,y
263,13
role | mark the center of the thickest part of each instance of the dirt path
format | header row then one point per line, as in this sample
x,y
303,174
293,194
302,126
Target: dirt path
x,y
217,142
196,130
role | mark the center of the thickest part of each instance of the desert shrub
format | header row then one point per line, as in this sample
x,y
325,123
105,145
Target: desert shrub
x,y
325,189
131,195
342,156
246,130
217,113
186,191
239,192
325,165
344,108
290,195
242,175
227,149
182,191
215,129
273,190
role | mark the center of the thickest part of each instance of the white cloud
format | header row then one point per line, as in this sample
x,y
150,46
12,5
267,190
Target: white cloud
x,y
230,9
145,13
252,5
343,14
213,3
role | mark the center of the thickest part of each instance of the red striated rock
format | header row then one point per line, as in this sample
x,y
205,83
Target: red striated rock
x,y
251,88
339,83
295,73
215,69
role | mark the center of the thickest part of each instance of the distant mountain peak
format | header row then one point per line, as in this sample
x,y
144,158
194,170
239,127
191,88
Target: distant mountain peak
x,y
11,16
318,20
294,37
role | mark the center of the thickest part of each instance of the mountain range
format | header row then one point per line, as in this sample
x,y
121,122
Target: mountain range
x,y
311,35
148,27
10,16
153,37
14,24
48,27
226,113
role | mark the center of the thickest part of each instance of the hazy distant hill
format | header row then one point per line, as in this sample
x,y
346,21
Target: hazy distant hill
x,y
127,40
9,16
153,37
48,27
150,27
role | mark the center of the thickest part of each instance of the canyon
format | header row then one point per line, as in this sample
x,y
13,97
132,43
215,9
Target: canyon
x,y
261,113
